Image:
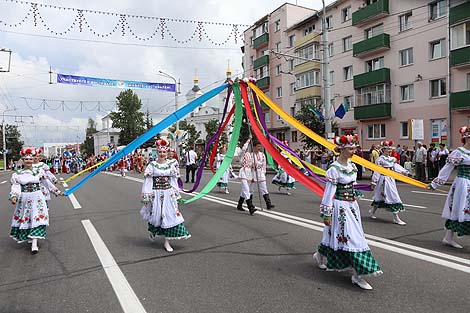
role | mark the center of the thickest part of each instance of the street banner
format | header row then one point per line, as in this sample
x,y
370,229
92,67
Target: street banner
x,y
113,83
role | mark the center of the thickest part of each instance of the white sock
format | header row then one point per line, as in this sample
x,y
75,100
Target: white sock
x,y
449,236
34,244
167,245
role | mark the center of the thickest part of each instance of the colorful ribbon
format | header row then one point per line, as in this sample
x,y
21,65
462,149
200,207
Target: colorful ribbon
x,y
166,122
80,173
322,141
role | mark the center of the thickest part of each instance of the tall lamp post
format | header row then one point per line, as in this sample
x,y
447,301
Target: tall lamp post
x,y
177,91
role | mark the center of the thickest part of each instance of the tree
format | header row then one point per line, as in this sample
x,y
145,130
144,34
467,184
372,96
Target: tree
x,y
13,142
87,147
128,117
211,129
148,125
311,121
192,134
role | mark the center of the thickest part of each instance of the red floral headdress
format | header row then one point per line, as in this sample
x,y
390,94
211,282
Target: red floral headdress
x,y
162,145
387,144
28,152
465,131
346,141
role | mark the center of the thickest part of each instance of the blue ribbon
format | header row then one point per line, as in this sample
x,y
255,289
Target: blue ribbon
x,y
167,122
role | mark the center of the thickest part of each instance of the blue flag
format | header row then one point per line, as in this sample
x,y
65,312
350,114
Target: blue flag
x,y
340,111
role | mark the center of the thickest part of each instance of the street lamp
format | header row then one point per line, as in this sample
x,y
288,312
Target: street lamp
x,y
177,87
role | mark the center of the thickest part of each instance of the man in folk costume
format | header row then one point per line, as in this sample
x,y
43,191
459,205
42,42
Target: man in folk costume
x,y
253,170
386,194
456,209
344,245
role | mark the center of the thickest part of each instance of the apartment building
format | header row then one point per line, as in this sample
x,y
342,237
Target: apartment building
x,y
390,63
272,72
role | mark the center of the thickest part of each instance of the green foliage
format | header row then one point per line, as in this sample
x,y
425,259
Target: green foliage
x,y
87,147
13,142
306,117
128,117
148,125
192,135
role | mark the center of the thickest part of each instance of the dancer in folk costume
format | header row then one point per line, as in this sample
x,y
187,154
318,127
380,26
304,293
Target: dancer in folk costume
x,y
344,245
38,164
123,166
456,210
31,216
56,164
386,193
253,170
159,197
223,181
282,179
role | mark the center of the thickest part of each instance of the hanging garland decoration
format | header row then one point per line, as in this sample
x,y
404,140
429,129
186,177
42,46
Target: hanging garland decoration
x,y
65,105
200,30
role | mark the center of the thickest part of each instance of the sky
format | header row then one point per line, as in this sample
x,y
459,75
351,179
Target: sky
x,y
36,51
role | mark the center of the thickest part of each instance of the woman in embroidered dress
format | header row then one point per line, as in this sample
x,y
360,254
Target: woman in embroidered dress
x,y
282,179
38,164
386,193
31,216
344,245
456,210
159,196
223,182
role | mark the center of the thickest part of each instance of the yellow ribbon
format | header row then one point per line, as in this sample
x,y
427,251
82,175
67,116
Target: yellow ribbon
x,y
329,145
80,173
297,162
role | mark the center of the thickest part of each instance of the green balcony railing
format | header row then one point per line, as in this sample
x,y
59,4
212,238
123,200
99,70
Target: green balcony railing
x,y
263,82
264,60
375,43
460,100
372,78
459,13
260,40
365,112
370,12
460,57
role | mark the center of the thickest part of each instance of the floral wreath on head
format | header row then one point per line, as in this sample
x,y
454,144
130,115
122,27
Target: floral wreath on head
x,y
28,152
387,144
465,131
162,145
346,141
39,151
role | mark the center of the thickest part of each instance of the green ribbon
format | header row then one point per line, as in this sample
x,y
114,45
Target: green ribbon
x,y
231,147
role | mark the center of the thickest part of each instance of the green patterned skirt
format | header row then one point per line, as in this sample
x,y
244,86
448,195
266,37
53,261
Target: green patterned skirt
x,y
363,262
393,207
461,228
222,185
21,235
176,232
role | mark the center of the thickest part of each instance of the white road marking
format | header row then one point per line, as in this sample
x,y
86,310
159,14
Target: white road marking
x,y
127,298
3,182
73,199
383,243
431,193
404,204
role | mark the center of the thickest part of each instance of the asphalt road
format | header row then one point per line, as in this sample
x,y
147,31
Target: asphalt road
x,y
234,262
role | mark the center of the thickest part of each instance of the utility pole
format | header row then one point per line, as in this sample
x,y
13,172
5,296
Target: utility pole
x,y
177,91
326,91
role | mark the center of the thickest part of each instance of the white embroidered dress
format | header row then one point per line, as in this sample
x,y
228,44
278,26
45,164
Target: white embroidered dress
x,y
49,176
385,192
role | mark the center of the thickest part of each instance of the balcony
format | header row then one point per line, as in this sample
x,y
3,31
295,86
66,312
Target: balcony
x,y
372,78
459,100
264,60
261,41
263,82
371,12
460,57
373,111
372,45
308,39
459,13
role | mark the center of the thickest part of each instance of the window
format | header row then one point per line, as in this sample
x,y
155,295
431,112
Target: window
x,y
405,21
267,116
111,139
348,72
329,22
346,14
406,57
330,50
437,9
292,88
348,102
332,77
260,30
374,31
278,70
308,79
347,43
278,92
290,64
437,49
262,72
404,130
375,64
278,46
438,87
277,25
468,81
310,52
376,131
309,30
373,95
291,40
407,92
294,136
460,35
